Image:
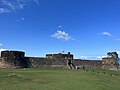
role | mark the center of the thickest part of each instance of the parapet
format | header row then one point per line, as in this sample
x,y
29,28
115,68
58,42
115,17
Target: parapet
x,y
17,54
59,56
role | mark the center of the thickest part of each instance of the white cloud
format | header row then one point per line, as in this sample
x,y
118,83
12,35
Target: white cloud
x,y
1,44
93,57
84,57
106,34
2,50
62,35
36,1
13,5
118,52
3,10
20,19
9,4
118,39
59,27
100,57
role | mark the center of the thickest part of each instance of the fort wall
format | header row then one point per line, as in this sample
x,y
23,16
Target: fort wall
x,y
33,62
17,59
59,56
12,59
88,63
110,63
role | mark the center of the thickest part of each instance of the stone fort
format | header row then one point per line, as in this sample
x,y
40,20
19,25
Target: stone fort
x,y
17,59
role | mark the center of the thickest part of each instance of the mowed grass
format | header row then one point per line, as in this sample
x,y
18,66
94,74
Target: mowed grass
x,y
58,79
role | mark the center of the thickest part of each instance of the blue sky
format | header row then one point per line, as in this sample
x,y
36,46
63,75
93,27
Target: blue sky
x,y
86,28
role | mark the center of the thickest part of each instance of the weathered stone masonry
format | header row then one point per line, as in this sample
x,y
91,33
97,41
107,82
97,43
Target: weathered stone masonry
x,y
17,59
110,63
13,59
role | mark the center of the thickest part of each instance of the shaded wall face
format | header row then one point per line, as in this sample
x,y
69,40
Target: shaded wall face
x,y
88,63
43,62
12,59
32,62
11,63
12,54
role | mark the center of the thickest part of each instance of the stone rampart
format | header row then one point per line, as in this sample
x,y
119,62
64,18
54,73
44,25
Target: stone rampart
x,y
88,63
17,59
110,63
12,59
33,62
59,56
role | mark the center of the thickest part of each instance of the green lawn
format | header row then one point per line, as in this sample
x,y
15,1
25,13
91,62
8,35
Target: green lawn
x,y
58,79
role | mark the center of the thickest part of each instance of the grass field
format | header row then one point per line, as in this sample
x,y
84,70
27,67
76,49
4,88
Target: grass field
x,y
58,79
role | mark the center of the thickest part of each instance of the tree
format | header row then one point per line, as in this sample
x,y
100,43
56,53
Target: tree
x,y
112,54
